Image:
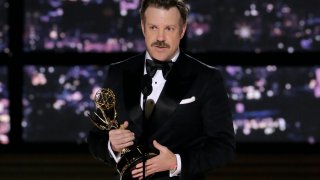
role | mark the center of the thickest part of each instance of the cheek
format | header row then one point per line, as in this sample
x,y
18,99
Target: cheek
x,y
149,36
175,40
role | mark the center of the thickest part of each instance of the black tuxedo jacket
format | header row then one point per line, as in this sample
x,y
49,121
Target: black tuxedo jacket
x,y
191,117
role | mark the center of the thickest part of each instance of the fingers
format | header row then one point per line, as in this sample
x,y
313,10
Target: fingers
x,y
120,134
162,162
121,138
151,167
118,147
138,172
148,163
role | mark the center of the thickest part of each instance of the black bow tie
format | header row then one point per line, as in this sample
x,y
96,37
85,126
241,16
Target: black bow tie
x,y
153,65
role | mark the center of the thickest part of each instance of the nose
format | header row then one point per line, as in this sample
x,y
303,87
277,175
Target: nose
x,y
160,36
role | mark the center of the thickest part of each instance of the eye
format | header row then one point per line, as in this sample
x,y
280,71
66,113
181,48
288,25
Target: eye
x,y
153,27
170,28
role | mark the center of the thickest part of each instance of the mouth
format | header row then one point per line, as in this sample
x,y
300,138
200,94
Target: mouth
x,y
161,47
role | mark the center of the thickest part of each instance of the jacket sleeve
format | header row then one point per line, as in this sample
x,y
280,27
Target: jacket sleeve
x,y
98,145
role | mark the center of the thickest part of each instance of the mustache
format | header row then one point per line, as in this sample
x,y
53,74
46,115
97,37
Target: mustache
x,y
160,44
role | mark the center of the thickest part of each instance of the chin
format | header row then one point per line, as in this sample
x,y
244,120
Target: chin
x,y
159,56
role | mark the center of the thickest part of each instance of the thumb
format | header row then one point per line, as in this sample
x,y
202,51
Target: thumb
x,y
125,125
158,146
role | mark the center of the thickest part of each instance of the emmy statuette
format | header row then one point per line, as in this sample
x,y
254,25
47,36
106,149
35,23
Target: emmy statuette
x,y
105,118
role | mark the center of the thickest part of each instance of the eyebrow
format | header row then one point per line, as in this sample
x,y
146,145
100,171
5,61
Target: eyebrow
x,y
172,25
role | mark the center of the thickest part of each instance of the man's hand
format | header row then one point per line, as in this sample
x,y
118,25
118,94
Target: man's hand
x,y
121,138
165,161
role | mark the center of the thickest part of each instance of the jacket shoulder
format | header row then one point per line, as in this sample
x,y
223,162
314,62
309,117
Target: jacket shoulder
x,y
200,66
128,63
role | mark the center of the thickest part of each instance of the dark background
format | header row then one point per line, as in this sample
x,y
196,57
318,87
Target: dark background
x,y
66,47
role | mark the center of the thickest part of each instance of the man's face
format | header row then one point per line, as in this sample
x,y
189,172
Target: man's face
x,y
163,31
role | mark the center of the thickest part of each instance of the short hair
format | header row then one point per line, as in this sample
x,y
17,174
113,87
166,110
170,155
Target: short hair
x,y
166,4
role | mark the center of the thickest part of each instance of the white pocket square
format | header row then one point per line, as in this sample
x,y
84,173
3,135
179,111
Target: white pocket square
x,y
188,100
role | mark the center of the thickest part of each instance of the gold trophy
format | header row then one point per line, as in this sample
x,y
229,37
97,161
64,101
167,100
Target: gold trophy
x,y
106,119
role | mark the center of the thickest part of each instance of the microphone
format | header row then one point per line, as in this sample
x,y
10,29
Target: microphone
x,y
149,106
146,89
146,86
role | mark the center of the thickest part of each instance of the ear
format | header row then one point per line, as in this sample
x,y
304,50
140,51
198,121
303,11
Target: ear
x,y
183,30
142,26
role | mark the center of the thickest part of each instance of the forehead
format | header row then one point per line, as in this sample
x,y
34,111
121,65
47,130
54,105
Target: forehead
x,y
154,15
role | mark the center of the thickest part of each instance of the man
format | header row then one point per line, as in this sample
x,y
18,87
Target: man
x,y
190,126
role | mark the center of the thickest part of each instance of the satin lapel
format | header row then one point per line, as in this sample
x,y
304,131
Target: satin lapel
x,y
132,91
177,85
